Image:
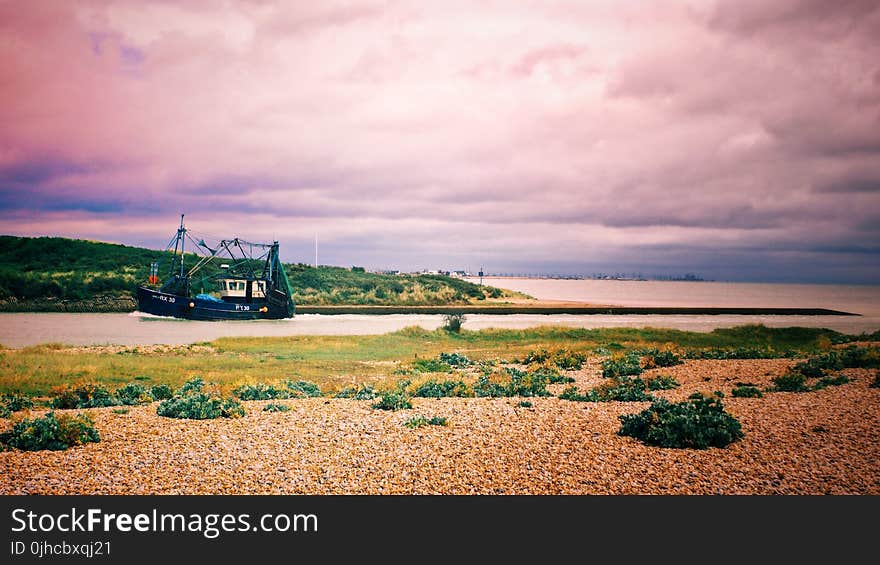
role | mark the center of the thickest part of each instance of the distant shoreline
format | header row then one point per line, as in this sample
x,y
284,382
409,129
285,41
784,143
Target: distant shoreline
x,y
569,309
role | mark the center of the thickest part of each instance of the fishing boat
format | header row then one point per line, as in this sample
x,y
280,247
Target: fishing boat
x,y
233,280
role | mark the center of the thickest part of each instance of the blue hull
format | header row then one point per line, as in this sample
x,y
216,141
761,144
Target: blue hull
x,y
189,308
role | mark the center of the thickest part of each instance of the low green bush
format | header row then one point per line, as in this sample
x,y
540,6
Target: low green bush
x,y
790,382
272,407
623,389
88,395
15,402
662,382
193,403
697,423
133,394
454,359
568,360
746,392
51,432
666,359
876,382
5,412
289,389
524,404
302,389
431,366
626,366
419,421
392,400
161,392
441,389
834,380
739,353
511,382
362,392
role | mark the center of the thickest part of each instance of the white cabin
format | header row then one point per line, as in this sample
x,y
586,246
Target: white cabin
x,y
237,288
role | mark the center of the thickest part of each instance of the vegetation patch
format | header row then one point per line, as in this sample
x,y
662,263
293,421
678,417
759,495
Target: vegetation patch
x,y
876,382
133,394
790,382
524,404
563,358
662,382
748,391
288,389
454,359
15,402
452,322
744,352
431,366
666,359
625,366
51,432
511,382
393,400
87,395
440,389
361,392
161,392
834,380
622,389
420,421
195,402
273,407
697,423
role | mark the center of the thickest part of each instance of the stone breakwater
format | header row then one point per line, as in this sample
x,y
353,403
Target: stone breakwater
x,y
822,442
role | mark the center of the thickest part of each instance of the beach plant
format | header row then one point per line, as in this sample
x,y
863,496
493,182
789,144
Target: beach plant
x,y
121,411
697,423
431,366
662,382
51,432
15,402
511,382
392,400
5,412
260,391
622,389
273,407
161,392
440,389
569,360
420,421
194,401
748,391
551,373
301,389
666,359
362,392
452,322
133,394
86,395
790,382
876,382
624,366
833,380
540,355
454,359
524,404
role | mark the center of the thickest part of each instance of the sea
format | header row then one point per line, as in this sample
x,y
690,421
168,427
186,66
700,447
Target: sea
x,y
26,329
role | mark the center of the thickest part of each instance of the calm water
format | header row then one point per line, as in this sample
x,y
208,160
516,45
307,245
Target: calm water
x,y
18,330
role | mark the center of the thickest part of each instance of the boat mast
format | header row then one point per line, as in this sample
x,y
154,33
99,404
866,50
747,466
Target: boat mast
x,y
181,232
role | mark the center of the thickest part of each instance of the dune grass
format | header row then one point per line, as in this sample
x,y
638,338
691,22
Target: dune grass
x,y
335,362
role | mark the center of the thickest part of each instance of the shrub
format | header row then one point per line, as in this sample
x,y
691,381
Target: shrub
x,y
696,423
452,322
51,432
272,407
512,382
628,365
662,382
192,402
121,411
539,355
5,412
15,402
454,359
419,421
622,389
876,382
161,392
362,392
739,353
133,394
860,357
87,395
524,404
835,380
569,360
552,374
746,392
392,400
815,367
790,382
431,366
666,359
440,389
301,389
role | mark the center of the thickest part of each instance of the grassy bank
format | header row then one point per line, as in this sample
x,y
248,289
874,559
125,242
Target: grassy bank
x,y
53,274
334,362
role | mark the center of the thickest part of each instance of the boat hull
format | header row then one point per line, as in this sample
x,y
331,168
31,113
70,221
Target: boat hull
x,y
164,304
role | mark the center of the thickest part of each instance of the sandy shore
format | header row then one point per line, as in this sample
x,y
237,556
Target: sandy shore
x,y
795,443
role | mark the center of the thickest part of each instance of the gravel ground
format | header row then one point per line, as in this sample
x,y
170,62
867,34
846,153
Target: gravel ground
x,y
823,442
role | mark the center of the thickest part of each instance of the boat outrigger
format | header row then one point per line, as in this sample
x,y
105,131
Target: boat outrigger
x,y
250,284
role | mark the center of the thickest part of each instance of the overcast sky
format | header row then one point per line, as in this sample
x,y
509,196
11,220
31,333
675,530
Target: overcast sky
x,y
738,140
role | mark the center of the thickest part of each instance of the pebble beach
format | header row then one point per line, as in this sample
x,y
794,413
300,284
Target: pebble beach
x,y
821,442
